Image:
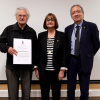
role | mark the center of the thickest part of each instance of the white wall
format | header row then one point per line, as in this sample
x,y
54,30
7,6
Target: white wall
x,y
38,10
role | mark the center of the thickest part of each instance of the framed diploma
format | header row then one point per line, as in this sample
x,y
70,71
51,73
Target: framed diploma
x,y
24,49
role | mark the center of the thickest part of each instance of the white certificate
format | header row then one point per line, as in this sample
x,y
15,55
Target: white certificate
x,y
23,47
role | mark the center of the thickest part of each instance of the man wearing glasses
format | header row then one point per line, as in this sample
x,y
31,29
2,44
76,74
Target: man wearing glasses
x,y
19,30
82,43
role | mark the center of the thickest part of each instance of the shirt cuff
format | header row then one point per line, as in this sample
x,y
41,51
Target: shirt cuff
x,y
35,66
63,68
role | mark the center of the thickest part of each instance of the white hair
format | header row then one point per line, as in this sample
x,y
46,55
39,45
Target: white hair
x,y
22,8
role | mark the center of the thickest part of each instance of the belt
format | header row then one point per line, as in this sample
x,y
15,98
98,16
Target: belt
x,y
77,57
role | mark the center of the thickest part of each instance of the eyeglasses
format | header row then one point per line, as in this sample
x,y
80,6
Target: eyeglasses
x,y
48,20
22,16
78,11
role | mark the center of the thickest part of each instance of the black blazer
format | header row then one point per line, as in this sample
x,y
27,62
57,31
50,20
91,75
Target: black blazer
x,y
59,53
89,44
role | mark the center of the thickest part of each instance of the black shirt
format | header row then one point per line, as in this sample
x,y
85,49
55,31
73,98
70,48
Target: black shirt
x,y
6,41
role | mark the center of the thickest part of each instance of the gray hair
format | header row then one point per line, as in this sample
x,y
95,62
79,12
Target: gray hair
x,y
78,6
23,8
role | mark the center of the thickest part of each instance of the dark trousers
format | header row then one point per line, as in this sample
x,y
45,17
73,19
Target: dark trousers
x,y
49,78
13,83
74,69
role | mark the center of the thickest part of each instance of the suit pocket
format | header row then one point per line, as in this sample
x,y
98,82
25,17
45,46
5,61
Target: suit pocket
x,y
91,55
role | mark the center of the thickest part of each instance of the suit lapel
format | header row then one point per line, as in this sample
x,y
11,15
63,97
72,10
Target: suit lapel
x,y
45,42
70,34
56,43
84,26
71,31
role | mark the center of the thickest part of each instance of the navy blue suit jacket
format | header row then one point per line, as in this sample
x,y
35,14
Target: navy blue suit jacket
x,y
89,44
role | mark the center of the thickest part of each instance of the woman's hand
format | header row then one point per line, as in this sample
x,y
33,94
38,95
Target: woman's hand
x,y
61,75
36,72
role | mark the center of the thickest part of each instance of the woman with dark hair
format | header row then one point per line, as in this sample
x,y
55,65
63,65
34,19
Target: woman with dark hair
x,y
51,58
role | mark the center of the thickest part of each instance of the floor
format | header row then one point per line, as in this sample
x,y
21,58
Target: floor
x,y
91,98
64,87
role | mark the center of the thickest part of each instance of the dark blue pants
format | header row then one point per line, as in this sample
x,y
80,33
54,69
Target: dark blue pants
x,y
74,69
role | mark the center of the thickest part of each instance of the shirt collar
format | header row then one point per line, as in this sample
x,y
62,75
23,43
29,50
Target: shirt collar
x,y
80,24
15,27
23,28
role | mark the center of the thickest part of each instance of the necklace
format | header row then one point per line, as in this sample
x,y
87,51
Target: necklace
x,y
75,38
